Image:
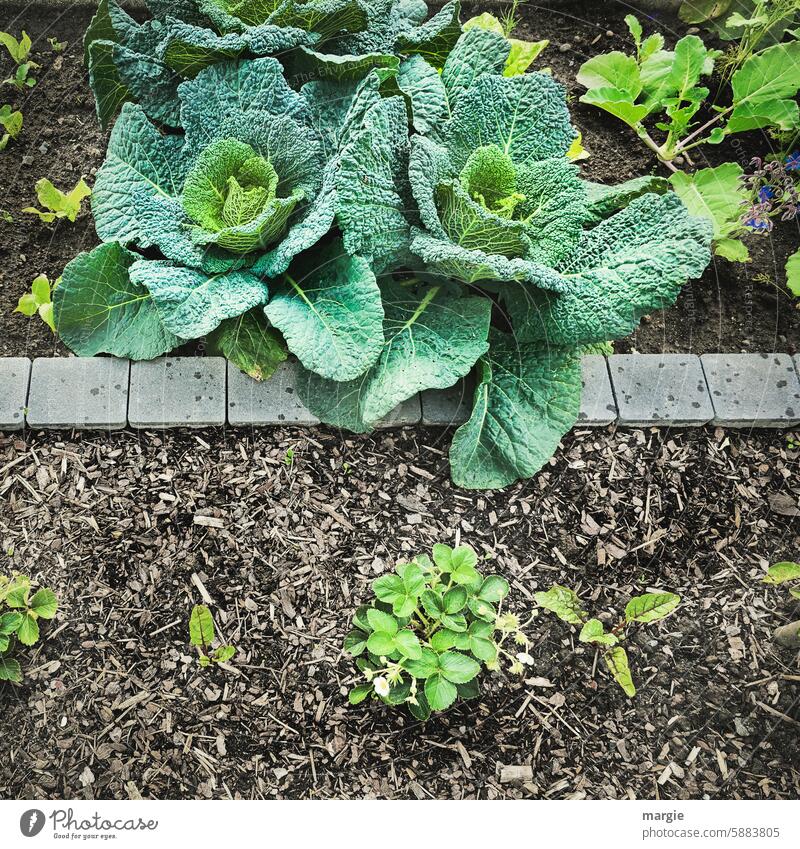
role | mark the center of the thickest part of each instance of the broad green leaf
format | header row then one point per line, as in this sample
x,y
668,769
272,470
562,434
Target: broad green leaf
x,y
688,65
470,690
605,200
44,603
616,659
617,103
191,303
564,602
522,55
651,607
359,693
389,588
526,399
10,670
463,557
493,589
421,710
331,316
380,621
355,643
454,622
483,649
381,643
613,71
5,641
408,645
635,29
432,604
443,640
466,574
16,594
250,343
454,600
594,632
431,340
717,194
28,631
525,116
793,273
59,204
413,578
9,622
458,668
201,626
440,692
422,84
768,78
733,250
223,654
780,114
98,308
360,618
425,666
482,609
778,573
435,38
442,556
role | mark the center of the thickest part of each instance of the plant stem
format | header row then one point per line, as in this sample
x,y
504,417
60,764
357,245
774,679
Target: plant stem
x,y
700,130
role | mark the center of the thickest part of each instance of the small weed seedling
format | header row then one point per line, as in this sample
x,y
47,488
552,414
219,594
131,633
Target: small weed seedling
x,y
39,300
649,607
57,46
433,624
11,122
202,636
59,204
20,613
786,573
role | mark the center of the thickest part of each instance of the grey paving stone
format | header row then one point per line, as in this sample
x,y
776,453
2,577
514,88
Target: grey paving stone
x,y
15,373
270,402
85,392
660,389
178,392
753,390
597,400
446,407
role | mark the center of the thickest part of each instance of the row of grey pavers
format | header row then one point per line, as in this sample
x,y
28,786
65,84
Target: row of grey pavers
x,y
638,390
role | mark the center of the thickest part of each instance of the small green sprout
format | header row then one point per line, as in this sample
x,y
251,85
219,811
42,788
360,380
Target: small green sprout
x,y
18,50
56,46
288,460
60,204
11,122
202,635
39,300
649,607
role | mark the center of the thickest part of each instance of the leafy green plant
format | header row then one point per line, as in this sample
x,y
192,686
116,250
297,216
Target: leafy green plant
x,y
202,635
665,85
316,39
522,53
39,300
11,122
22,78
433,626
18,50
394,231
57,203
56,46
786,572
642,609
720,195
20,614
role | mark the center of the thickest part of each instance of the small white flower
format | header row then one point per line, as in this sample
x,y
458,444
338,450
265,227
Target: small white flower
x,y
381,686
524,658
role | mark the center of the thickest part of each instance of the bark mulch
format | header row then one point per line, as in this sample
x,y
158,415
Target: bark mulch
x,y
132,530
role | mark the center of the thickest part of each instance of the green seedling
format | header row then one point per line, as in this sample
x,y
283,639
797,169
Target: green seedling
x,y
646,608
39,300
434,625
20,613
57,46
59,204
202,636
11,122
20,50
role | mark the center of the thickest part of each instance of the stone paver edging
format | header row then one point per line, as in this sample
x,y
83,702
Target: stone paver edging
x,y
634,390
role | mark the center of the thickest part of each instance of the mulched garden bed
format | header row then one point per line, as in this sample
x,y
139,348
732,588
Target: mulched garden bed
x,y
127,528
733,307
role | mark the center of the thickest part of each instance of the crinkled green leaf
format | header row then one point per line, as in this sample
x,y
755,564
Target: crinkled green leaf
x,y
527,398
98,308
250,343
431,340
331,316
478,51
422,84
605,200
562,601
191,303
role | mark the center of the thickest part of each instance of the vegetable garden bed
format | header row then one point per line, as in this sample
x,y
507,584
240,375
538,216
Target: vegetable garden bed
x,y
729,309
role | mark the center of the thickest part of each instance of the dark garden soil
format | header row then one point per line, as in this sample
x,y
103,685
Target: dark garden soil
x,y
732,308
132,530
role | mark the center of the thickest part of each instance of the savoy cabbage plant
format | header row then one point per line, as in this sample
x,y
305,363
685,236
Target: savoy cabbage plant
x,y
316,39
395,230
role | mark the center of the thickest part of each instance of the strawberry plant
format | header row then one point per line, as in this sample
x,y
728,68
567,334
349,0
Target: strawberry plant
x,y
20,614
434,625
